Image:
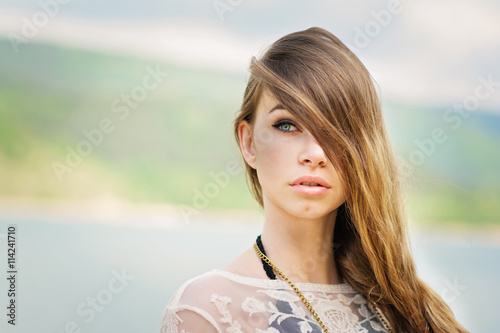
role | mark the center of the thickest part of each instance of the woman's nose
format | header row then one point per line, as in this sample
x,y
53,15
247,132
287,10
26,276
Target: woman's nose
x,y
312,152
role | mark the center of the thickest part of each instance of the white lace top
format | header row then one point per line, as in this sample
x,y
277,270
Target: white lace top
x,y
221,301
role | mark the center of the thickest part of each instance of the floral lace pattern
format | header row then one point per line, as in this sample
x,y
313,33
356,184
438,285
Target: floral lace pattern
x,y
220,301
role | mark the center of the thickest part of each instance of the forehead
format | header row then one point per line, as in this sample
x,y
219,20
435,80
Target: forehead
x,y
268,104
267,100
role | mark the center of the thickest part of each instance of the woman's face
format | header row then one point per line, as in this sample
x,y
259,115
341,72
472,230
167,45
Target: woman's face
x,y
282,151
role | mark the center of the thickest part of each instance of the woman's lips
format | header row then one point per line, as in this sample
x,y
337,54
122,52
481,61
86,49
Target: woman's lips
x,y
310,190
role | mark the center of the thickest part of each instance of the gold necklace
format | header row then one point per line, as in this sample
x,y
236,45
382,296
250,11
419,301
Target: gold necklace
x,y
304,300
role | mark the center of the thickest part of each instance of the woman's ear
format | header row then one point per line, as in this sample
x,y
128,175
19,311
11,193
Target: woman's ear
x,y
246,142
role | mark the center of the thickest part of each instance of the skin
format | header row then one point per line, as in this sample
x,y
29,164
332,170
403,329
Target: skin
x,y
298,228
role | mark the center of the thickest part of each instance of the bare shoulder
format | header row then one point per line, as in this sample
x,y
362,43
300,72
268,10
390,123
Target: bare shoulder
x,y
248,264
192,309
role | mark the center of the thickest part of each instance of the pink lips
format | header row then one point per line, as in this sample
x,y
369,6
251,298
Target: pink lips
x,y
310,190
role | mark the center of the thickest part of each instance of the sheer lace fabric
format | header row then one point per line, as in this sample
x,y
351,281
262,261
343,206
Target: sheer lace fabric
x,y
220,301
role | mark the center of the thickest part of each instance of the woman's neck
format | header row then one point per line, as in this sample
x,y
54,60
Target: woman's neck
x,y
301,248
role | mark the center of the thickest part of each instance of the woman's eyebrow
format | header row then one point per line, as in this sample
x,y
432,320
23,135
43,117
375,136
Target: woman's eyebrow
x,y
276,107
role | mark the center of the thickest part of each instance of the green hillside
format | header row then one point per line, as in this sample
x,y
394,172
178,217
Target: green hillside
x,y
167,147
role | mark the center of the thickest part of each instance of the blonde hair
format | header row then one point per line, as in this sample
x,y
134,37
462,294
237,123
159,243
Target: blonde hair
x,y
331,93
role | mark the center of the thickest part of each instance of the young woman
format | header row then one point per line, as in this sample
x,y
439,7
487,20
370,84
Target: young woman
x,y
333,254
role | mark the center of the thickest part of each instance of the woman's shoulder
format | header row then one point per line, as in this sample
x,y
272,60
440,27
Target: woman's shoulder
x,y
237,271
200,304
188,309
200,285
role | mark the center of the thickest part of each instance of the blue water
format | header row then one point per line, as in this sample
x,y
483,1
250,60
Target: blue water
x,y
62,267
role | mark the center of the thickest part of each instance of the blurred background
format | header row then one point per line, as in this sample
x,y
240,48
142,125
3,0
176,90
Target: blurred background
x,y
118,165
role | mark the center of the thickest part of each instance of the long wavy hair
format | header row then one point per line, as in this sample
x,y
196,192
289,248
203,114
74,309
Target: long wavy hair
x,y
331,93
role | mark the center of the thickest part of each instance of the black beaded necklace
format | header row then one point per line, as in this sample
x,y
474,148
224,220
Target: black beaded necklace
x,y
267,267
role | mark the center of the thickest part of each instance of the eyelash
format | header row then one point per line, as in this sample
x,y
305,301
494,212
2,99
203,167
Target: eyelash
x,y
281,123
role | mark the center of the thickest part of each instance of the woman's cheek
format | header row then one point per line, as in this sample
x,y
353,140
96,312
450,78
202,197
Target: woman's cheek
x,y
275,149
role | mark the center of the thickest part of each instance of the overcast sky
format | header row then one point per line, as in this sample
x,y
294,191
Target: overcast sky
x,y
425,51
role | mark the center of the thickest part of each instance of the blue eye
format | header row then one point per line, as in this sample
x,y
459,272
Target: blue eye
x,y
284,125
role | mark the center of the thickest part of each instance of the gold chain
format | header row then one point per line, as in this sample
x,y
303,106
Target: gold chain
x,y
381,318
304,300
